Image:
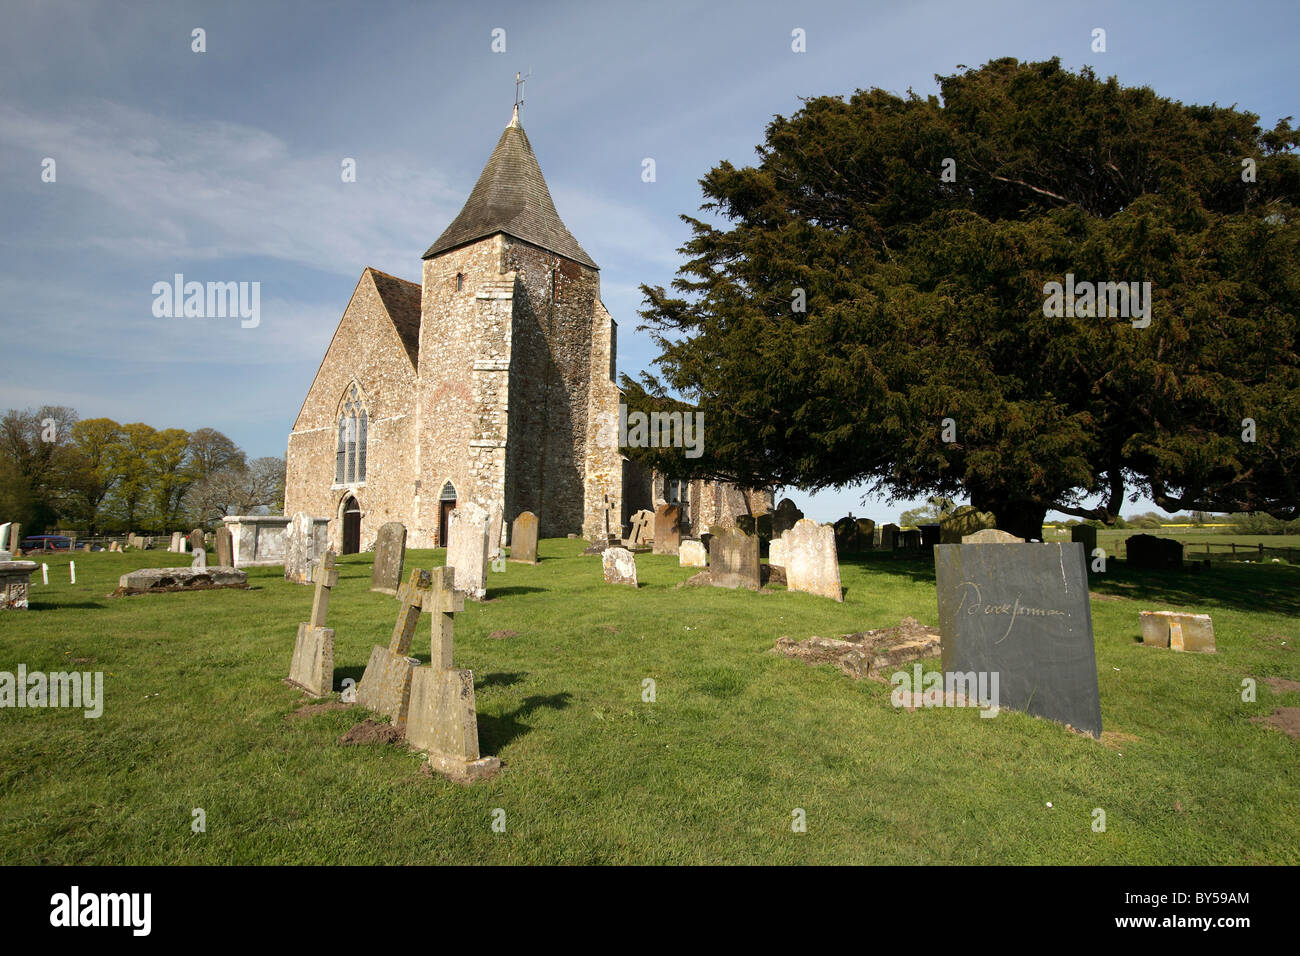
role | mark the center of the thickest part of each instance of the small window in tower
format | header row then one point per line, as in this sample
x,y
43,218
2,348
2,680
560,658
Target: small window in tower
x,y
460,282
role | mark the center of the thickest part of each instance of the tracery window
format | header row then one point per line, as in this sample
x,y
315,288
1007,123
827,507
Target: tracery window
x,y
350,451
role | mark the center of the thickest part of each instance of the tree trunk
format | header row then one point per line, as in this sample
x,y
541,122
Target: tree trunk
x,y
1022,518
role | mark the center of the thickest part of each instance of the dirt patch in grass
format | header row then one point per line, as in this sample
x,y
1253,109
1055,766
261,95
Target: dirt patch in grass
x,y
1282,685
868,653
1281,640
1285,719
311,710
612,629
1096,596
373,732
1115,739
502,635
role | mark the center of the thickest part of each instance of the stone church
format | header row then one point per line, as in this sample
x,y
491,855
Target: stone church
x,y
487,381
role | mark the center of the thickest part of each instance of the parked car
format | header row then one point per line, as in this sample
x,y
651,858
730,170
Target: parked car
x,y
47,542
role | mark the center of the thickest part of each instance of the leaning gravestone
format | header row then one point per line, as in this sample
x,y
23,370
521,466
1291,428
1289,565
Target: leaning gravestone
x,y
312,666
733,559
668,529
523,538
693,554
619,565
1177,631
784,518
643,525
299,549
386,684
1148,551
390,558
811,564
467,548
442,719
963,521
225,548
1019,613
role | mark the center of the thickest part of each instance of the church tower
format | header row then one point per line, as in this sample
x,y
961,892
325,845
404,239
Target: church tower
x,y
516,363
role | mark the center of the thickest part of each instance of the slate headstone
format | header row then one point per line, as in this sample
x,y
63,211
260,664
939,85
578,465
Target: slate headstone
x,y
523,538
1021,611
390,558
733,559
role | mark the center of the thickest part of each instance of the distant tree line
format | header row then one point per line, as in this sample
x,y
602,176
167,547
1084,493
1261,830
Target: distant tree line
x,y
62,472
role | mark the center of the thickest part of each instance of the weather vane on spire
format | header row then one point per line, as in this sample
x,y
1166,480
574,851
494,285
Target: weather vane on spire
x,y
519,88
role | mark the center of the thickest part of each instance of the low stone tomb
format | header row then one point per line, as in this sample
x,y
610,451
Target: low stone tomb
x,y
811,563
1017,617
15,583
443,716
386,684
312,667
390,558
620,566
1148,551
1177,631
523,538
159,580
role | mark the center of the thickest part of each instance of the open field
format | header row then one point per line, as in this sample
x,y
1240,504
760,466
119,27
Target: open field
x,y
196,716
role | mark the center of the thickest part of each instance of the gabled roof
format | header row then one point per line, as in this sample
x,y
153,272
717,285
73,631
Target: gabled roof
x,y
511,197
402,300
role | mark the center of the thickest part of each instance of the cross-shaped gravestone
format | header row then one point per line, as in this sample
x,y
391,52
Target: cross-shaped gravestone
x,y
312,667
386,685
613,527
443,717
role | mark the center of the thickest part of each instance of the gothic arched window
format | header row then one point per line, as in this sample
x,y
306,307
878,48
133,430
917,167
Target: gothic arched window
x,y
350,451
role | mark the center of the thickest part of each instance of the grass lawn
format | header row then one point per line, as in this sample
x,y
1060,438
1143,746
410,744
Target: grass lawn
x,y
196,716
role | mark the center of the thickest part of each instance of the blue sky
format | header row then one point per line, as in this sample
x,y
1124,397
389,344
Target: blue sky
x,y
225,165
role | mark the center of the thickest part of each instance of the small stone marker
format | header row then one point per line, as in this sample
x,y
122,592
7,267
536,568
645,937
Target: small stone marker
x,y
1148,551
1178,631
811,564
225,548
467,548
443,717
733,559
668,529
386,684
693,554
1019,614
991,536
523,538
200,559
619,565
888,537
312,667
390,558
784,518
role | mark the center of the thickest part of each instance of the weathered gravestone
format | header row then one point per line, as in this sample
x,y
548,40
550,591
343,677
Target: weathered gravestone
x,y
312,666
302,548
443,719
963,521
620,566
1086,535
776,551
386,684
733,559
15,583
1177,631
643,528
467,549
197,540
523,538
784,518
991,536
888,537
225,548
390,558
1148,551
200,559
693,554
668,529
811,563
1019,614
846,534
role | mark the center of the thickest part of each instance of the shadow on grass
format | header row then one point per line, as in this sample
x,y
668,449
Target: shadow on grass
x,y
494,733
47,606
504,679
1245,588
343,673
517,589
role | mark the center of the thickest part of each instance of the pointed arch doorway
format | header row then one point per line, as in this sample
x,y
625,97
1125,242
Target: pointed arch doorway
x,y
446,505
351,526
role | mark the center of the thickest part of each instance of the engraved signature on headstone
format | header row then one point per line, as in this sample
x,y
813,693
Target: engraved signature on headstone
x,y
1014,608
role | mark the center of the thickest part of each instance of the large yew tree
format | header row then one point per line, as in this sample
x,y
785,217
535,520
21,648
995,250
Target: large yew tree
x,y
924,300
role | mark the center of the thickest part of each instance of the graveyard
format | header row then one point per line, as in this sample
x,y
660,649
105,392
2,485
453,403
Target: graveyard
x,y
708,768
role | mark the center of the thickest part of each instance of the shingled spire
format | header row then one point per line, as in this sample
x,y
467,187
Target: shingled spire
x,y
511,197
